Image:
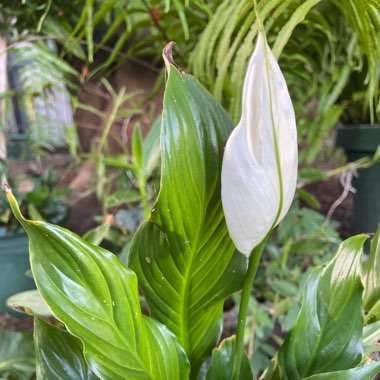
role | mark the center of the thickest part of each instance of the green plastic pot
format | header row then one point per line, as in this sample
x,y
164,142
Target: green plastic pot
x,y
14,263
359,141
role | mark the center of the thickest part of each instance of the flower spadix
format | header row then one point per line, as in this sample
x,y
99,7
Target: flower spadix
x,y
259,171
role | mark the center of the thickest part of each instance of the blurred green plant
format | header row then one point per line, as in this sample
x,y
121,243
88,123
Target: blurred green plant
x,y
126,183
124,29
39,197
17,355
321,44
328,49
92,38
187,265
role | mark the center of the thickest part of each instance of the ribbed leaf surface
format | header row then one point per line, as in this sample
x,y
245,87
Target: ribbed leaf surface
x,y
327,336
96,296
59,354
183,256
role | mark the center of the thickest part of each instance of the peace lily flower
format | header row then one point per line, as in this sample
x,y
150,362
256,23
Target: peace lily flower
x,y
259,171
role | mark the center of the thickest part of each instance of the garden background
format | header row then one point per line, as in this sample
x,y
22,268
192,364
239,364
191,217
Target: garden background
x,y
82,86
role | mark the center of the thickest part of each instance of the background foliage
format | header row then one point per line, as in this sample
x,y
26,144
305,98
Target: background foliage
x,y
336,77
329,53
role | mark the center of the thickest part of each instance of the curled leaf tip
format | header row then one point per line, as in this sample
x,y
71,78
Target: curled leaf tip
x,y
168,50
13,202
167,54
19,308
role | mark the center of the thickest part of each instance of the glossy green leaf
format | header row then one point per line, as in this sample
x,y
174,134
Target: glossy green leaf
x,y
371,280
367,372
96,297
327,336
222,362
183,256
59,354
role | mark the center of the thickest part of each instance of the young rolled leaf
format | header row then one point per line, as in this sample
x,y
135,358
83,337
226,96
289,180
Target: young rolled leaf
x,y
222,362
371,280
182,255
327,336
59,354
96,297
259,171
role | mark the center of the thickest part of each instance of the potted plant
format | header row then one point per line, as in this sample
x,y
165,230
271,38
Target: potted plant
x,y
39,199
359,136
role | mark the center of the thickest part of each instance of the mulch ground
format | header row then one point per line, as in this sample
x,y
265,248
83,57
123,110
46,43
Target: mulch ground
x,y
12,323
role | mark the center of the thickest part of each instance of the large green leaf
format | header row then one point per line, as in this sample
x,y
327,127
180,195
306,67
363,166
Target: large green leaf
x,y
96,296
371,279
183,256
59,354
367,372
327,336
222,362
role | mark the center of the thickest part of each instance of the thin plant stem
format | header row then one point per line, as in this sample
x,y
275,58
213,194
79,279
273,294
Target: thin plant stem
x,y
253,264
118,102
144,197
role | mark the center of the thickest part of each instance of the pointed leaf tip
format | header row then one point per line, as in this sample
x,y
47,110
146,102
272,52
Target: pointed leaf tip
x,y
13,203
167,54
6,188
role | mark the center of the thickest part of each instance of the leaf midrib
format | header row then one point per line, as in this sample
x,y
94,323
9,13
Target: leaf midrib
x,y
319,340
111,322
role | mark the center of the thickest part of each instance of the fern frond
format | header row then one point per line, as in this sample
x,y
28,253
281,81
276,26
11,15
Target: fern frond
x,y
316,49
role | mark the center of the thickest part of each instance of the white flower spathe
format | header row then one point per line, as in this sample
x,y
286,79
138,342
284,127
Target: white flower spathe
x,y
259,172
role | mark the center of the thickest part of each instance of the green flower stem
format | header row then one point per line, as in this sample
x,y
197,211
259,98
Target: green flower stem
x,y
253,264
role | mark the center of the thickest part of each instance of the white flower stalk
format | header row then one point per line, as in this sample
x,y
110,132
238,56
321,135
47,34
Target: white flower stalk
x,y
259,171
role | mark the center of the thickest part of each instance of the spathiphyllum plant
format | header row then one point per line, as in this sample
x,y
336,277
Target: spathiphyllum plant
x,y
184,259
259,172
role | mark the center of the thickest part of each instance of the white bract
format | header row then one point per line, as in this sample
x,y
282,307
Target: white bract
x,y
259,171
